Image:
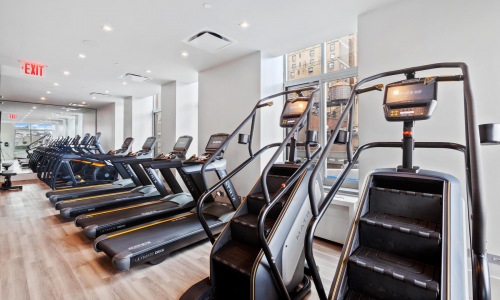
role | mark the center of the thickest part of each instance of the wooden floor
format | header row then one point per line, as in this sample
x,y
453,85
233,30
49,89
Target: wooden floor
x,y
45,257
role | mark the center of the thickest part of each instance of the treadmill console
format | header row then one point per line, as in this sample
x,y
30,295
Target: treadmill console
x,y
214,143
292,111
410,100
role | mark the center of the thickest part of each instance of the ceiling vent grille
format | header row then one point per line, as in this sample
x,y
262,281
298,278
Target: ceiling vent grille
x,y
209,41
99,94
134,77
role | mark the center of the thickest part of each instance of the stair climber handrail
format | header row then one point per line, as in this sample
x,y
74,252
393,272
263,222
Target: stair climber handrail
x,y
480,271
208,192
265,211
264,102
270,202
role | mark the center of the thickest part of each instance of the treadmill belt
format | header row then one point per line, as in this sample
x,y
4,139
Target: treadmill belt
x,y
153,234
100,200
126,213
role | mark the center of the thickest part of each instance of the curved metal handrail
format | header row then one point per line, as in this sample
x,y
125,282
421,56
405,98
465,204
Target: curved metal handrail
x,y
481,285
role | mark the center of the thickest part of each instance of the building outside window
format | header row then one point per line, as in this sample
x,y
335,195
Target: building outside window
x,y
332,66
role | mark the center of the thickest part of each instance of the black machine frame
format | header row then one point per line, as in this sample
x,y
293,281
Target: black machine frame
x,y
477,225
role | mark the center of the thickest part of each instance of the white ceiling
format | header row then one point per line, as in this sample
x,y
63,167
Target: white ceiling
x,y
148,35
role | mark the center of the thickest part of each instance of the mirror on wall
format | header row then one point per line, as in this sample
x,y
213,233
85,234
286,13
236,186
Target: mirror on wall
x,y
24,123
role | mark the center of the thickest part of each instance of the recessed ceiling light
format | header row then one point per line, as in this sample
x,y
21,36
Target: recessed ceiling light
x,y
83,102
49,92
184,53
207,5
34,107
106,28
148,71
42,98
244,24
56,84
124,83
93,98
106,92
66,73
81,55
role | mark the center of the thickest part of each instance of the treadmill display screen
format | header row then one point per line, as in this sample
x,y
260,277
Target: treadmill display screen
x,y
215,142
410,92
182,144
149,143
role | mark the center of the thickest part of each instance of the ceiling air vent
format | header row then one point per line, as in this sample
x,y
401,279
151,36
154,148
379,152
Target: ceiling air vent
x,y
134,77
99,94
209,41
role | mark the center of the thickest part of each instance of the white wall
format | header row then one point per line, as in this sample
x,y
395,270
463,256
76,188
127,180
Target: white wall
x,y
106,125
271,82
227,94
89,122
168,116
142,120
128,115
119,123
187,114
410,33
8,136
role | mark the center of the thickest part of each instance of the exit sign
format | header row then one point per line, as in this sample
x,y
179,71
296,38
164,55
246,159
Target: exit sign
x,y
32,69
12,116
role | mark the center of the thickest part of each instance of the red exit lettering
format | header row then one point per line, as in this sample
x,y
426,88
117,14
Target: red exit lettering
x,y
32,69
12,116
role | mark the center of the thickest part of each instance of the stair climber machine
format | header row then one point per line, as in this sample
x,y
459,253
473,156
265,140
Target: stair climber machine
x,y
408,237
260,254
96,224
144,190
125,183
153,242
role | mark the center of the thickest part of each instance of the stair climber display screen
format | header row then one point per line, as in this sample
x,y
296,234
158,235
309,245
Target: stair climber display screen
x,y
292,111
409,236
413,99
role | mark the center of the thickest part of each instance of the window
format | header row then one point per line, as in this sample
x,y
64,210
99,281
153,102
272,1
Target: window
x,y
332,66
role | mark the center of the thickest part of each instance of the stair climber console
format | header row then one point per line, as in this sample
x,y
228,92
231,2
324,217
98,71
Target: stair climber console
x,y
408,237
260,255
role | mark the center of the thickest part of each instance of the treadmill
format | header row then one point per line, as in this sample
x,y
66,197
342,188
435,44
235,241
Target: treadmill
x,y
147,191
95,224
126,183
154,241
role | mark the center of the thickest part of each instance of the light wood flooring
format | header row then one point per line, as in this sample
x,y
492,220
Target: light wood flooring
x,y
45,257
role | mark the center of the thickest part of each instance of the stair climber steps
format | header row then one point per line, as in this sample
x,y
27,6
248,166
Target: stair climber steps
x,y
409,204
383,275
256,202
232,265
355,295
244,229
410,238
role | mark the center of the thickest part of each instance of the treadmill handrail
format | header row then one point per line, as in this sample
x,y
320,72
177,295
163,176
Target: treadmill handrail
x,y
480,274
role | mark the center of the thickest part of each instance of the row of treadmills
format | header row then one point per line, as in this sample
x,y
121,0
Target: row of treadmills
x,y
144,217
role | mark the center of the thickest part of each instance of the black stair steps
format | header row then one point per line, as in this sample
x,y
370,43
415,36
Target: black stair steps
x,y
355,295
238,256
256,202
406,225
409,204
387,276
244,229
